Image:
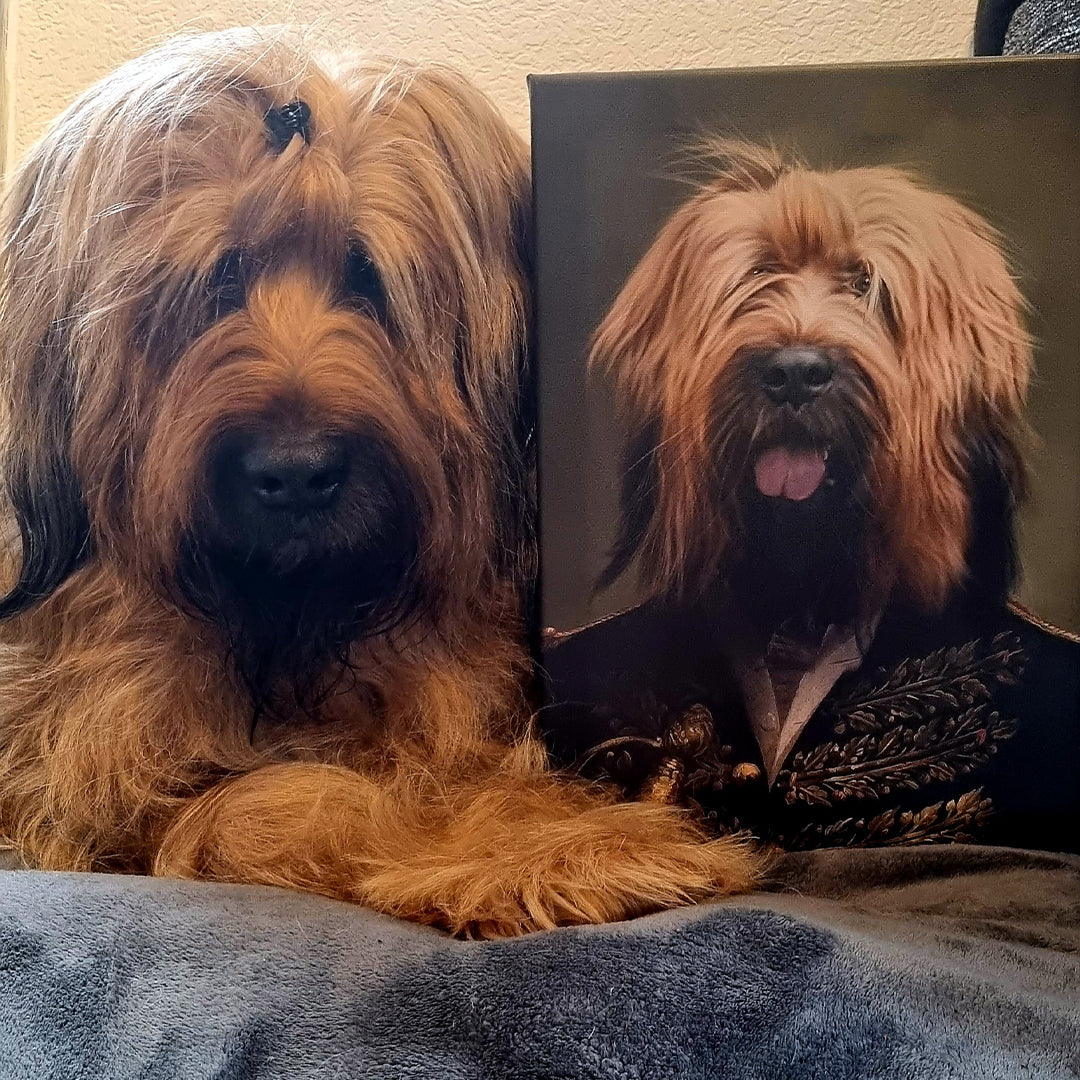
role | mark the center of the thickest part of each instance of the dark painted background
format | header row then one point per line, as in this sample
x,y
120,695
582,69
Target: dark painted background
x,y
1002,135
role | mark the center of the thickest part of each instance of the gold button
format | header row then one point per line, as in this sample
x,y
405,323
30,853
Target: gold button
x,y
746,772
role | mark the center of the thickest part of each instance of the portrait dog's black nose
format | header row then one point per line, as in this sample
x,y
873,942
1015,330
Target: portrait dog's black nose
x,y
795,375
292,470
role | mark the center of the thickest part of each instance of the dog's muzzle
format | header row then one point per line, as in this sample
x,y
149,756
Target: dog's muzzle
x,y
288,499
791,464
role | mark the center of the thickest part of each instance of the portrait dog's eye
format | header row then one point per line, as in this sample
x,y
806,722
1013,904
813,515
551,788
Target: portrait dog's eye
x,y
363,286
860,281
227,285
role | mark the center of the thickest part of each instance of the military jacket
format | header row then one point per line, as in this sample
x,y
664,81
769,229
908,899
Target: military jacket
x,y
963,727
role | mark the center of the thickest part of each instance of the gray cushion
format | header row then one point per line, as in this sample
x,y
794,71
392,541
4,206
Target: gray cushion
x,y
928,963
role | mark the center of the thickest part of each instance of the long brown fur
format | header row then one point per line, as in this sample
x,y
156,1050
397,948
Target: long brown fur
x,y
763,256
410,781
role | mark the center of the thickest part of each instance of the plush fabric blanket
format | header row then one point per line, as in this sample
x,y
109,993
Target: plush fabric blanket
x,y
936,963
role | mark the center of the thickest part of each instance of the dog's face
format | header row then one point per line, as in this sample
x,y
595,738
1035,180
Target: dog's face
x,y
263,320
823,375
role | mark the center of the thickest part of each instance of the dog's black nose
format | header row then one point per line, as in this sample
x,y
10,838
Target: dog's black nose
x,y
292,470
286,495
795,375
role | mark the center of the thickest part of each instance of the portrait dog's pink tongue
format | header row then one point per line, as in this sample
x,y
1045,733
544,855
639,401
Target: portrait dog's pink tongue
x,y
789,472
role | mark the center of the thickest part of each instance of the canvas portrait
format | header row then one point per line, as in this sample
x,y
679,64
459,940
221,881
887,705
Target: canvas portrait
x,y
810,472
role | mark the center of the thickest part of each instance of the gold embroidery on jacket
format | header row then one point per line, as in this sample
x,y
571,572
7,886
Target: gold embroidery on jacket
x,y
951,821
928,721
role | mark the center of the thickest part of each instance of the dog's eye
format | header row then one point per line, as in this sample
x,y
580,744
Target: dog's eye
x,y
228,283
763,269
861,281
362,282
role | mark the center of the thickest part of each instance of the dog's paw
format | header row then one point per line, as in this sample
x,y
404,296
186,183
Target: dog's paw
x,y
613,863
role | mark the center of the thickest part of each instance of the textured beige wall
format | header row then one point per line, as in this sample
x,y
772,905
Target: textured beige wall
x,y
61,46
7,77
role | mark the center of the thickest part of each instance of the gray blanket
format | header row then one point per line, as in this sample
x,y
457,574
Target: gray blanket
x,y
935,963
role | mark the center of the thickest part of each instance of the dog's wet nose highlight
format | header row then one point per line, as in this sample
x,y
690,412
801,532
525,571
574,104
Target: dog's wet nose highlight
x,y
794,376
292,470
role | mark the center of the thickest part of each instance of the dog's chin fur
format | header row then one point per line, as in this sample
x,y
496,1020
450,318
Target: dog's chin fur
x,y
233,234
291,635
293,597
803,560
796,559
908,293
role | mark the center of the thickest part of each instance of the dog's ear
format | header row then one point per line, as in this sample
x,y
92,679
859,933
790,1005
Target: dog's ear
x,y
649,345
637,501
41,494
470,176
967,361
41,490
644,335
485,185
516,508
998,484
47,506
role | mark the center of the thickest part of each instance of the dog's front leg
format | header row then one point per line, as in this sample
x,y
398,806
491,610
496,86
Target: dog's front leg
x,y
517,852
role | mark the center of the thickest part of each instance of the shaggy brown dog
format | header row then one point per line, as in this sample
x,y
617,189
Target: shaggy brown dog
x,y
823,373
261,323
